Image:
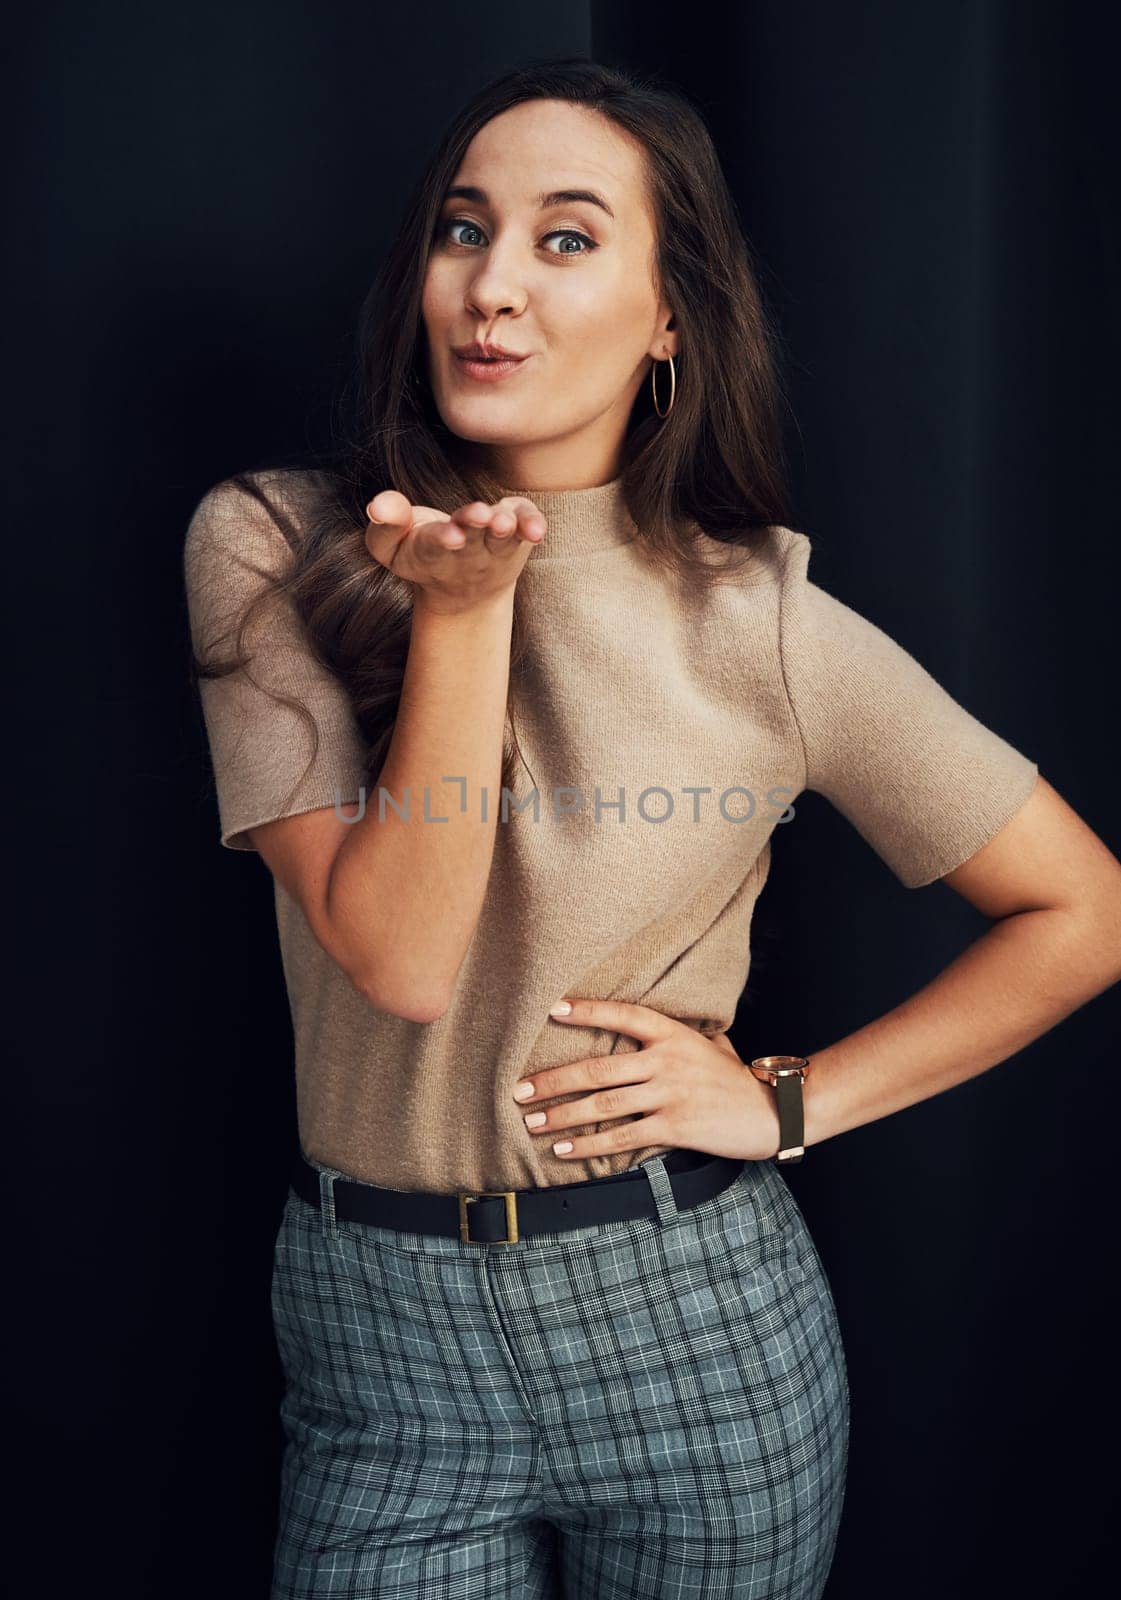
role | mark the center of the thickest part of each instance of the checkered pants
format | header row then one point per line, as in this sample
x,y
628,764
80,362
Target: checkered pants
x,y
645,1410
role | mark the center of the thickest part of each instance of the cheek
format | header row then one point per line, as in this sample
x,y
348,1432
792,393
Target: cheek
x,y
607,317
440,314
436,301
607,348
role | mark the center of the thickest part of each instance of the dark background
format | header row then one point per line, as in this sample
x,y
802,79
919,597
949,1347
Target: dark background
x,y
200,197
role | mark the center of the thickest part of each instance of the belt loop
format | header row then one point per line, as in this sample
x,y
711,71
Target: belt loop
x,y
655,1169
327,1176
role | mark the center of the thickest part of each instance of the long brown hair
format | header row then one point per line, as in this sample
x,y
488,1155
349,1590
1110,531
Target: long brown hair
x,y
713,465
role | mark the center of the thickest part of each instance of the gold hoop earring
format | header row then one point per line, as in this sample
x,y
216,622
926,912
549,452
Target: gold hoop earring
x,y
672,386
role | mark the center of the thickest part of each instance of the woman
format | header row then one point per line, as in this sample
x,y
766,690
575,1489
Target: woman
x,y
564,671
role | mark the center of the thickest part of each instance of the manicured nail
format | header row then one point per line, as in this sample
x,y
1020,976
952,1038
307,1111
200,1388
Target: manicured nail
x,y
523,1090
533,1119
561,1009
562,1147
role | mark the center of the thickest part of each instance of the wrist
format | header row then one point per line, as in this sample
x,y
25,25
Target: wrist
x,y
816,1103
500,605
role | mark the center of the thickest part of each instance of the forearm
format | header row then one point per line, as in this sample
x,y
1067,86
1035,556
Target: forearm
x,y
391,875
1022,976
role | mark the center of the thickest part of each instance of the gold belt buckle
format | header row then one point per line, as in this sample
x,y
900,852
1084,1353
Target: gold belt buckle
x,y
487,1194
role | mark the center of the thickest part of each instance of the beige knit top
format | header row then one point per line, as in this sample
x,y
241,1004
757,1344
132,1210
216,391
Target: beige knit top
x,y
701,715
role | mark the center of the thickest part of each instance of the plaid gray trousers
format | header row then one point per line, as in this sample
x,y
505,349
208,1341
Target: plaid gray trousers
x,y
651,1409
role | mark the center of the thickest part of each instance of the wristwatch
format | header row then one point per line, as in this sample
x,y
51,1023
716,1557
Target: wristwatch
x,y
786,1074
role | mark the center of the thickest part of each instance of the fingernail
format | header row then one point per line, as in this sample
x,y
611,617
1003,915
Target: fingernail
x,y
563,1147
533,1119
561,1009
523,1090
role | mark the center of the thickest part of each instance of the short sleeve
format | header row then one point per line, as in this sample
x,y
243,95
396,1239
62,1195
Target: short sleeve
x,y
921,779
260,747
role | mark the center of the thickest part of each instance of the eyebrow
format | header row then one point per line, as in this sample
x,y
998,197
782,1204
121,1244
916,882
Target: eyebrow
x,y
555,197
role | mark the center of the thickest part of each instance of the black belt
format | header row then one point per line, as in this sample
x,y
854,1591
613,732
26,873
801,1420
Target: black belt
x,y
502,1216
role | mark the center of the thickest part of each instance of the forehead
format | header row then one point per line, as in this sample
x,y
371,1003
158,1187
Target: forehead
x,y
542,145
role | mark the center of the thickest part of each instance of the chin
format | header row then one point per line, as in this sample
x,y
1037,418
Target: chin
x,y
473,423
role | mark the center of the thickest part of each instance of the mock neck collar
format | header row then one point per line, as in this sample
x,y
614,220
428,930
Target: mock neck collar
x,y
580,521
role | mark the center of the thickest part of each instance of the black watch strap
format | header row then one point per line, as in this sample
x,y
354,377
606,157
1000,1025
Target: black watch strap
x,y
791,1118
786,1075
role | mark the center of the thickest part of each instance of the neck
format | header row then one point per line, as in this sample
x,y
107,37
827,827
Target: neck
x,y
580,521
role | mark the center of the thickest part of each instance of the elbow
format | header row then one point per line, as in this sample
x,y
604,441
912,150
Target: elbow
x,y
1086,949
1110,954
402,983
418,1008
408,1001
394,986
1097,943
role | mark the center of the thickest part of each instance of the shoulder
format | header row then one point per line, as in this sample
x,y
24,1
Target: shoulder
x,y
251,518
810,622
779,555
774,602
250,501
238,549
735,622
774,582
814,624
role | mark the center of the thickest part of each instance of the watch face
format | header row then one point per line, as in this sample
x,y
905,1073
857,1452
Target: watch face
x,y
781,1064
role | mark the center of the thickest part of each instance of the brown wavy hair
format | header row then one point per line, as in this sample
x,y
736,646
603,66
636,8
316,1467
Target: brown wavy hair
x,y
713,466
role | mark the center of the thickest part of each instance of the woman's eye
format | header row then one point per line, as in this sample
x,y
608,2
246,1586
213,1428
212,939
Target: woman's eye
x,y
573,233
455,222
559,233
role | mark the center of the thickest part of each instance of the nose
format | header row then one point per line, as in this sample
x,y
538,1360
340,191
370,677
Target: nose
x,y
493,291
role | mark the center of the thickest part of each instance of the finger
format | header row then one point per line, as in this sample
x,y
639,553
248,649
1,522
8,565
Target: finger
x,y
390,521
477,520
619,1101
503,521
622,1136
530,523
390,508
517,515
619,1016
514,515
476,517
441,530
593,1072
